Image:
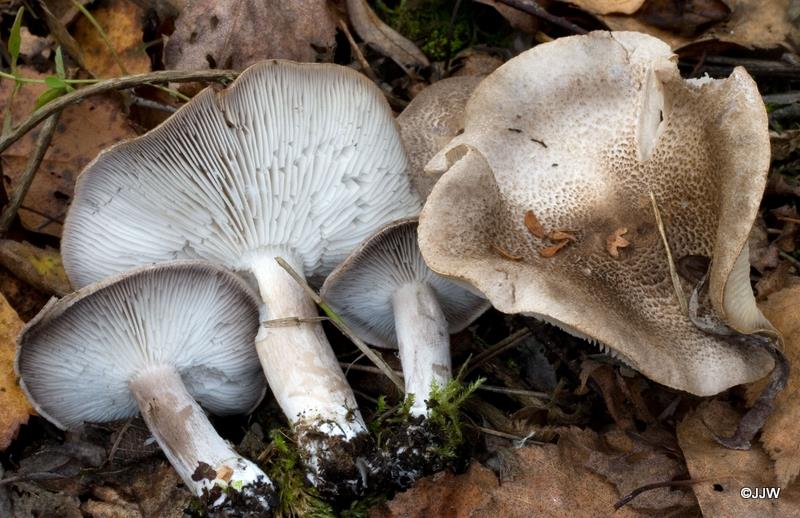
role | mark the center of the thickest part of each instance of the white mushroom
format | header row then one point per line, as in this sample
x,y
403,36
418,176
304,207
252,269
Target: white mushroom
x,y
301,161
579,132
390,298
154,341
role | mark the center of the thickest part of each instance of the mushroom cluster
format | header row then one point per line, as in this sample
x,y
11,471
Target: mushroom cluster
x,y
573,178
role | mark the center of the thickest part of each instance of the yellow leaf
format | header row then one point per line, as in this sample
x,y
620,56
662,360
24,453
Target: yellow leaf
x,y
14,408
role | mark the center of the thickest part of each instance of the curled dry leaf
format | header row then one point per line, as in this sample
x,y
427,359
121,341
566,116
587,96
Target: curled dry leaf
x,y
82,132
779,435
559,235
122,22
615,241
723,473
532,222
237,33
386,40
550,251
14,408
506,254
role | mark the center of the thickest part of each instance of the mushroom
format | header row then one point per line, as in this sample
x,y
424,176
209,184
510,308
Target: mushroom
x,y
390,298
299,161
579,133
430,120
155,341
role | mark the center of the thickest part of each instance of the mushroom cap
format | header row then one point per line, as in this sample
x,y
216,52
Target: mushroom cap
x,y
75,358
430,120
298,159
581,131
360,289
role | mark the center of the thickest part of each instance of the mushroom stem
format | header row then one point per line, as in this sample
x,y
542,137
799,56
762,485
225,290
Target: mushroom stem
x,y
423,341
186,436
300,366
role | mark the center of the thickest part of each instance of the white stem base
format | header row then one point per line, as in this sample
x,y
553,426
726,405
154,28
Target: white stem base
x,y
298,361
423,340
185,434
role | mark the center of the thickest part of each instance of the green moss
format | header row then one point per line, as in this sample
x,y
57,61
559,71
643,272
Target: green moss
x,y
428,24
445,412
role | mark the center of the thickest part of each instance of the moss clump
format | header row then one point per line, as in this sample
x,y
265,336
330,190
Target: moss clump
x,y
427,23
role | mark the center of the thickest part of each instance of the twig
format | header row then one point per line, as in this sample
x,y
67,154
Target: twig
x,y
34,161
513,391
118,440
362,61
533,8
673,272
496,433
102,33
500,347
116,83
366,368
789,258
342,326
656,485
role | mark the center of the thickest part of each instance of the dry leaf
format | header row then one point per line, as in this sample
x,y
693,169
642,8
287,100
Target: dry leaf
x,y
763,24
82,132
39,267
773,280
615,241
725,473
780,434
550,251
558,235
122,22
608,6
518,19
537,481
505,254
237,33
532,222
14,408
386,40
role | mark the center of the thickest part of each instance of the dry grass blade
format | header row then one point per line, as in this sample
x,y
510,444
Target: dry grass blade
x,y
673,272
341,326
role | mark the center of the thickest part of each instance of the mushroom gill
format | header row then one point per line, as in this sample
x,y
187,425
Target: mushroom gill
x,y
579,132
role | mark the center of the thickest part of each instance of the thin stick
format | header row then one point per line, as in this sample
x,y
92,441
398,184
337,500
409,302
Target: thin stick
x,y
34,161
118,440
102,33
515,392
107,85
500,347
656,485
496,433
341,326
789,258
673,272
533,8
365,66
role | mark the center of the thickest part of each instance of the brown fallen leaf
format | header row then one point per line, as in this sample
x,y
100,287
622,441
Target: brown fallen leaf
x,y
550,251
559,235
237,33
532,222
28,499
14,408
683,17
779,435
518,19
39,267
542,481
615,241
386,40
763,24
773,280
82,132
122,22
506,254
724,473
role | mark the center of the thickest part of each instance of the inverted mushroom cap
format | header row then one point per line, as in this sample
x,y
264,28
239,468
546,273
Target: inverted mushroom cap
x,y
430,120
360,290
580,131
301,159
76,357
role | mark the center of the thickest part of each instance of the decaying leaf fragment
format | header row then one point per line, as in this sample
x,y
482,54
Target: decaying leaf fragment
x,y
237,33
625,89
615,241
14,408
39,267
608,6
386,40
779,435
532,222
